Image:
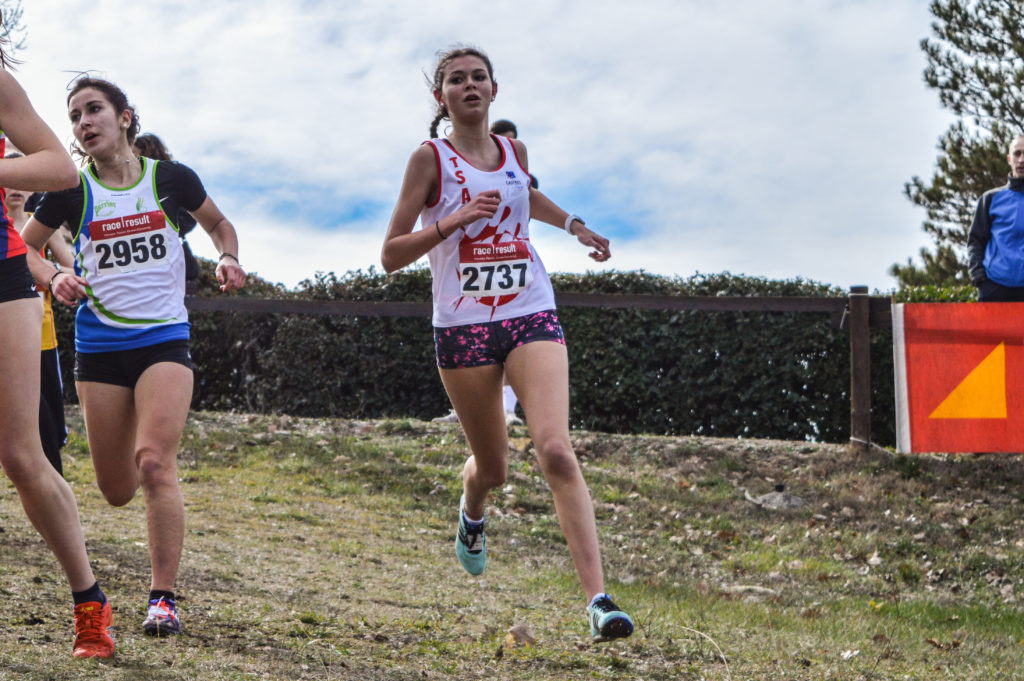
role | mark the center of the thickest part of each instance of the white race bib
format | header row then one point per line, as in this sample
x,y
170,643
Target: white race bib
x,y
131,243
494,269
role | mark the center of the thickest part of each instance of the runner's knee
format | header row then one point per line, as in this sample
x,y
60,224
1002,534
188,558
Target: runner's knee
x,y
491,477
557,460
117,495
20,466
156,468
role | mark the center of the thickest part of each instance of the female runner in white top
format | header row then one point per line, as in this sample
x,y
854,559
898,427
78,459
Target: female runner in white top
x,y
486,272
131,326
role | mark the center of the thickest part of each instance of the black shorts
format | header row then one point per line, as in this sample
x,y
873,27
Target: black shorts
x,y
124,367
16,281
52,431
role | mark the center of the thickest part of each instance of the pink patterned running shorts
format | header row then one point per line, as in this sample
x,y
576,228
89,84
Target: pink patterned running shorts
x,y
474,345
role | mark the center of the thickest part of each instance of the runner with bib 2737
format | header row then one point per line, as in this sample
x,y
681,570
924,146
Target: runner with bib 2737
x,y
494,313
494,269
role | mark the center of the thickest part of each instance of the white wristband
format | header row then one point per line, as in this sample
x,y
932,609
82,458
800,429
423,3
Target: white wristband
x,y
569,220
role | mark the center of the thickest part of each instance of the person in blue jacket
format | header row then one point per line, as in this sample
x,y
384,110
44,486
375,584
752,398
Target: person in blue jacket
x,y
995,246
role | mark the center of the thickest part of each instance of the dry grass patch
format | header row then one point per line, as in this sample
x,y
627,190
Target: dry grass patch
x,y
322,549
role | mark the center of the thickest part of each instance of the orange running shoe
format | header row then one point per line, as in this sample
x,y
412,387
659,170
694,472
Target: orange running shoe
x,y
92,630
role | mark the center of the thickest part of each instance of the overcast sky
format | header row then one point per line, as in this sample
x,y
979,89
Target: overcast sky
x,y
759,137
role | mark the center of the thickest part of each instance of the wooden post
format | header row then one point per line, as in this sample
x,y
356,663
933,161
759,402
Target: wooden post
x,y
860,367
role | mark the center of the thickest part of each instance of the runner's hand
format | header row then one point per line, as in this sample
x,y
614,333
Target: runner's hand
x,y
592,239
230,275
483,205
68,288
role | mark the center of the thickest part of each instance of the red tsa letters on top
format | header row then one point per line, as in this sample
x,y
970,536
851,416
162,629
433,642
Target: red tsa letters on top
x,y
461,177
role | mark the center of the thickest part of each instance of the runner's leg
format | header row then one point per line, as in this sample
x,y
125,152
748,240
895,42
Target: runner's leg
x,y
162,398
475,393
45,496
539,374
133,438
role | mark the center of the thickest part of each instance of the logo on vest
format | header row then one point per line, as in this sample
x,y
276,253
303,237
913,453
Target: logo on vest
x,y
137,220
105,208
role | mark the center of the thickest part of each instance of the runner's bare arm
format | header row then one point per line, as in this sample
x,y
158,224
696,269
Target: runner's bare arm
x,y
66,286
36,234
544,209
45,166
403,246
60,249
229,271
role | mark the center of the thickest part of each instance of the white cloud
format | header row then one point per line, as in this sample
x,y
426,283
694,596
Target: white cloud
x,y
768,138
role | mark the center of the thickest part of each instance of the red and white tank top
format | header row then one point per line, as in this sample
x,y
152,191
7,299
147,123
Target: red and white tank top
x,y
488,270
11,244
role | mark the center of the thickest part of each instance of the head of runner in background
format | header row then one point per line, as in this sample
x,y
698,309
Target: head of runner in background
x,y
149,145
505,128
15,199
508,129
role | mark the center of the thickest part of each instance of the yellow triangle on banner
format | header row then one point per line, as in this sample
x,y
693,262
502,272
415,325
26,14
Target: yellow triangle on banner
x,y
982,394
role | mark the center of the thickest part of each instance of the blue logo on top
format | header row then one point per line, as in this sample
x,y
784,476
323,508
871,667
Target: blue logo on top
x,y
510,174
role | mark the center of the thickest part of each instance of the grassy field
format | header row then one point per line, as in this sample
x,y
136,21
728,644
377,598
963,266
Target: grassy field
x,y
322,549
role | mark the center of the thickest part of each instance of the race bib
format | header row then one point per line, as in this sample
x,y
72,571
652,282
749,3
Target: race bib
x,y
494,269
127,244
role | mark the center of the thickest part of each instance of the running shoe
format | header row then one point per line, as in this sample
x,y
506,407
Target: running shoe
x,y
162,618
450,417
512,420
470,546
607,621
92,630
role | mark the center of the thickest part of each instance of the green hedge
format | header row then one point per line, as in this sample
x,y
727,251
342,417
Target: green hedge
x,y
748,374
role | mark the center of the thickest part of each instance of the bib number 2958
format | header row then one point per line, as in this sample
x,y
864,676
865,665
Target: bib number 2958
x,y
122,253
130,243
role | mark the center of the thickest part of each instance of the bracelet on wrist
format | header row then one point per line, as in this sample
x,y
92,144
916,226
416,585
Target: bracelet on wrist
x,y
228,255
49,284
437,226
569,220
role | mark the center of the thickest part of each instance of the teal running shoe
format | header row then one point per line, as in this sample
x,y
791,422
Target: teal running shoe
x,y
470,546
607,622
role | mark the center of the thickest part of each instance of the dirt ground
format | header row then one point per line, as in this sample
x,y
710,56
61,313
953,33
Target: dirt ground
x,y
322,549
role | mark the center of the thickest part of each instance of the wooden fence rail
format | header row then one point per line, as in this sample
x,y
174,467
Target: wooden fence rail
x,y
858,312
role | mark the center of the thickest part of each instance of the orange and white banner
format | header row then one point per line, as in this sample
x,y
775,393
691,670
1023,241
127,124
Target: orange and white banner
x,y
959,377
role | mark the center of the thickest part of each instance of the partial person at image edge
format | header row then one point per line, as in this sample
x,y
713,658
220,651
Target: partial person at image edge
x,y
995,245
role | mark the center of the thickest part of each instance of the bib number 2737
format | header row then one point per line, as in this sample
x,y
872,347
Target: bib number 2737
x,y
494,269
